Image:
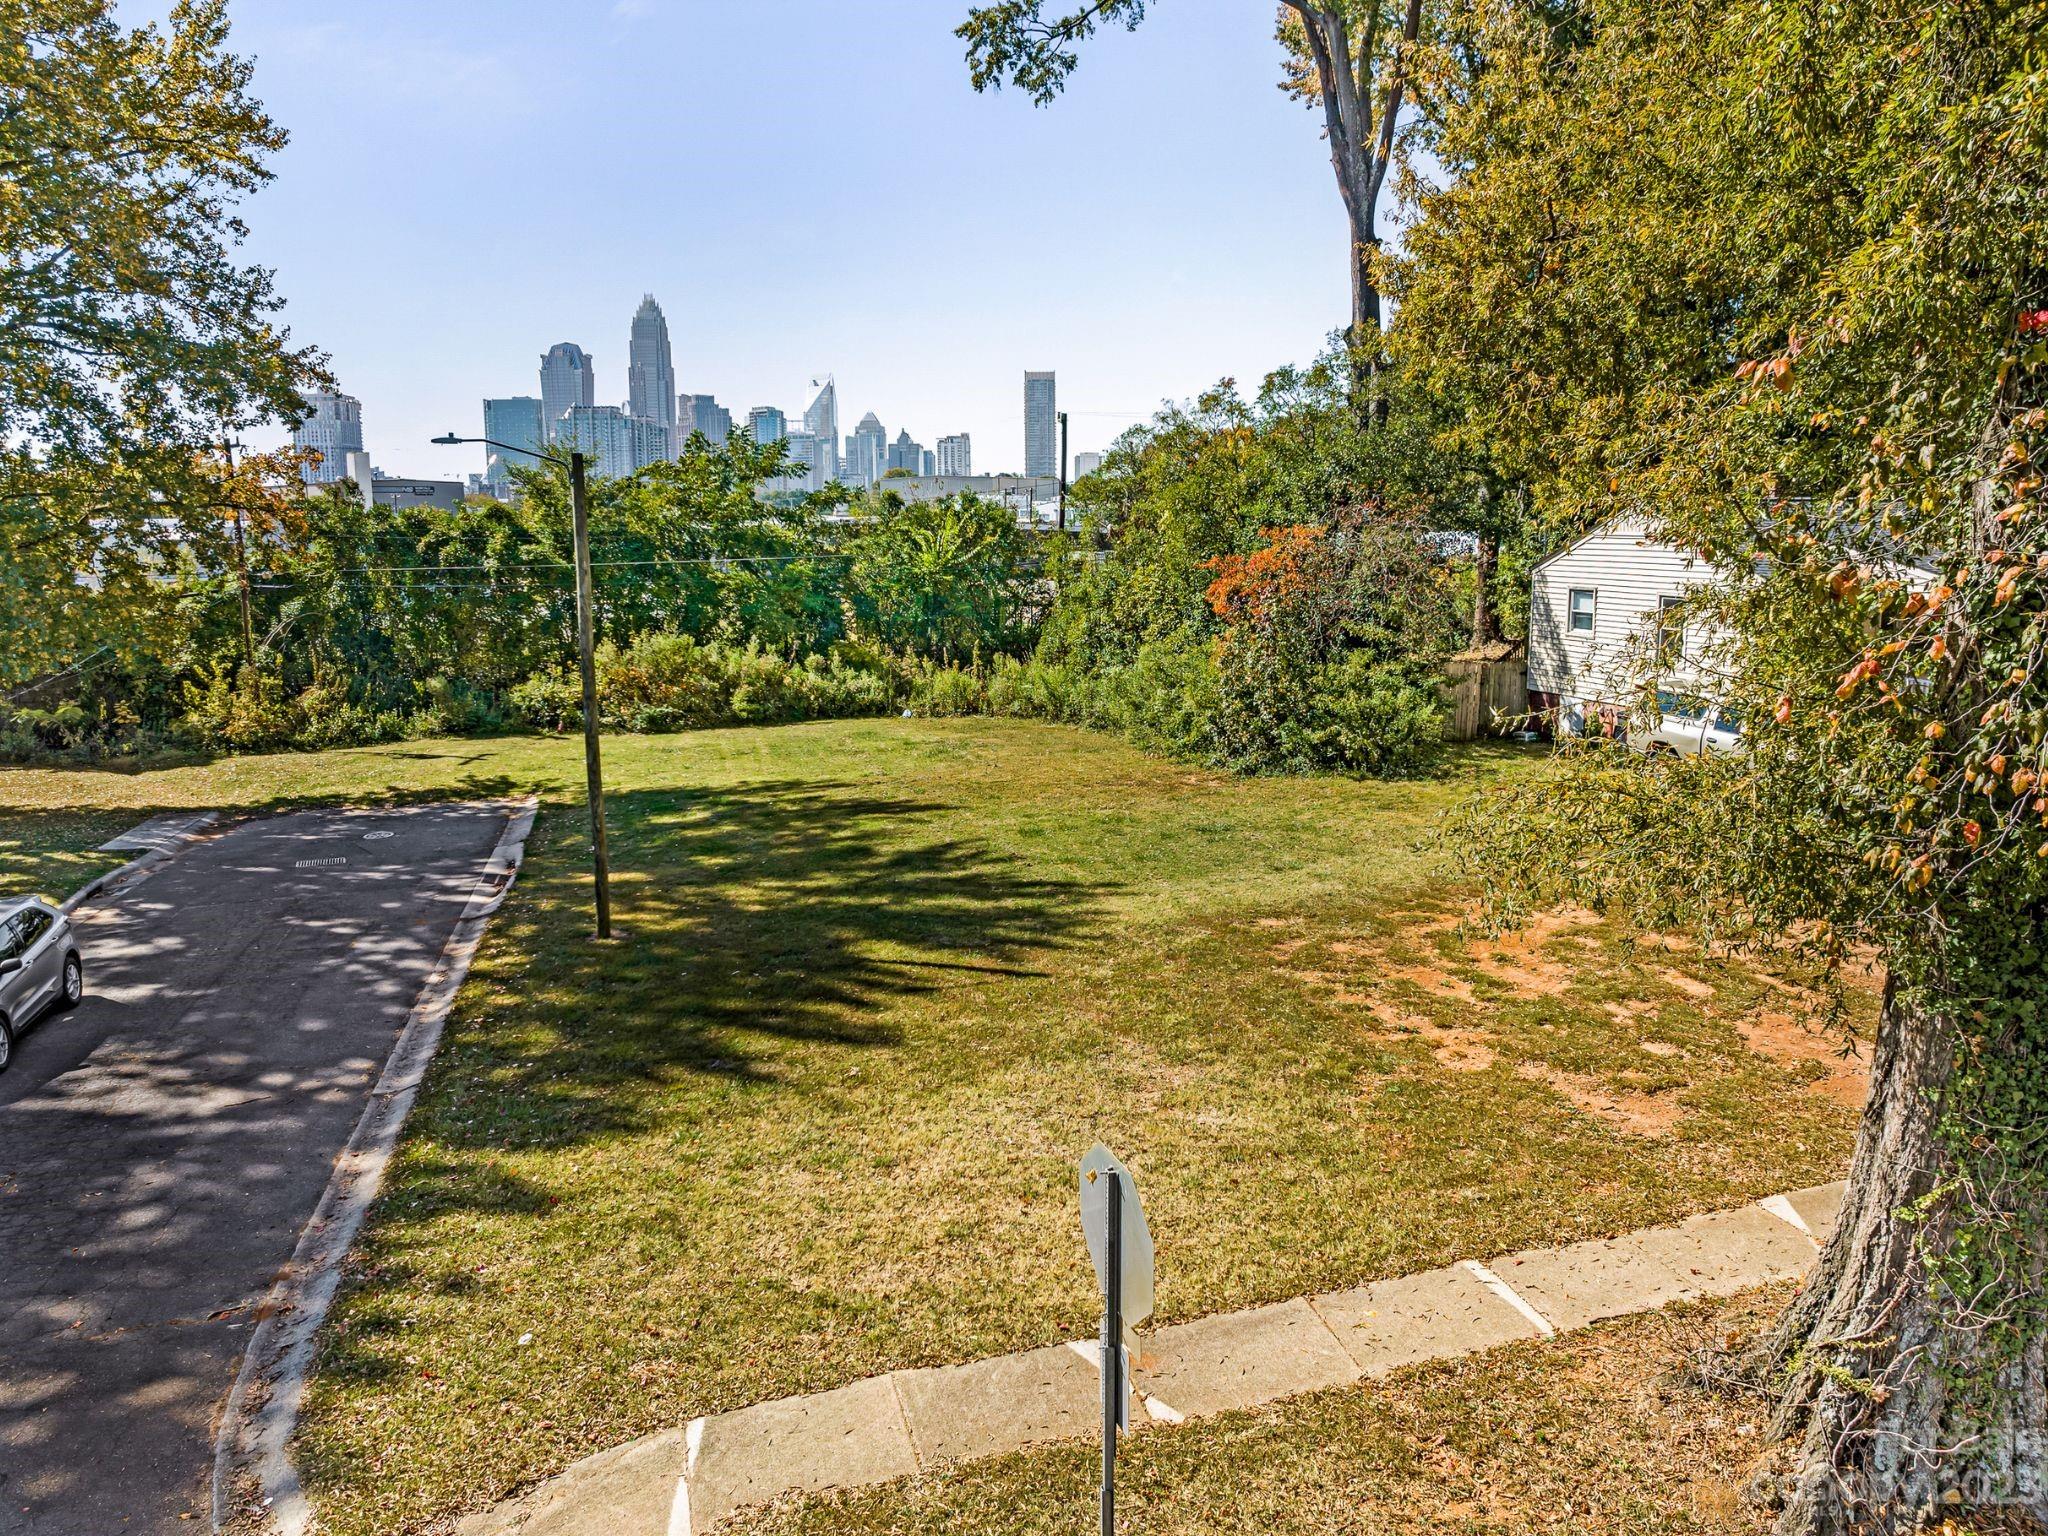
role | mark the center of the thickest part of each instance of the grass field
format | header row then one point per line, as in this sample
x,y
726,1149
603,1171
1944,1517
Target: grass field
x,y
816,1115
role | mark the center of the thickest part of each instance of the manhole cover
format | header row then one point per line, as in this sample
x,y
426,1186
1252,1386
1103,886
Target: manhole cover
x,y
372,837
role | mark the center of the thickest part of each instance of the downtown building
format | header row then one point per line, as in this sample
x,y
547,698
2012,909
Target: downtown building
x,y
1041,425
334,430
616,444
867,453
815,462
821,421
956,455
650,370
765,424
906,455
515,422
702,413
568,381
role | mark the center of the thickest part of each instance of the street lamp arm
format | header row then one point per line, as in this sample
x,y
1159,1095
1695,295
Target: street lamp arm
x,y
450,440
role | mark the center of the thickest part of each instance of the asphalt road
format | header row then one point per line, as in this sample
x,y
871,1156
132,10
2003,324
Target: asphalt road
x,y
162,1146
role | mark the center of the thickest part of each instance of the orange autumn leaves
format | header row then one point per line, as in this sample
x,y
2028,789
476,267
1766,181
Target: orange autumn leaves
x,y
1252,586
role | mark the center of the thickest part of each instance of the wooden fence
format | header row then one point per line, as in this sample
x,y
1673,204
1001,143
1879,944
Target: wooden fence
x,y
1489,690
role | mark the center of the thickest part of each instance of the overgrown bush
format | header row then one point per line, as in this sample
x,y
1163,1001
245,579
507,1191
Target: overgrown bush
x,y
240,709
939,692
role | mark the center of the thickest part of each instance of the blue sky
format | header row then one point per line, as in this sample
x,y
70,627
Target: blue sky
x,y
806,186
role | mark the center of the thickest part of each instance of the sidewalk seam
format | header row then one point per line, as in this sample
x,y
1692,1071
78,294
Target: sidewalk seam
x,y
1508,1294
1780,1207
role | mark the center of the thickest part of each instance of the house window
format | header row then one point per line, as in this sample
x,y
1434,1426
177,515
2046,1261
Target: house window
x,y
1670,631
1582,610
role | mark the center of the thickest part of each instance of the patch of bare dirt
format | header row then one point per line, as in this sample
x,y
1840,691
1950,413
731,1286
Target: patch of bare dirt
x,y
1435,982
1455,1050
1630,1110
1793,1041
1691,986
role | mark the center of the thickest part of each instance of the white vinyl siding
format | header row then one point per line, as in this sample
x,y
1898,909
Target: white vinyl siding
x,y
1630,576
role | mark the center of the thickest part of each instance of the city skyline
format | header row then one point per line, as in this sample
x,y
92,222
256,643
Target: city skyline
x,y
1124,278
656,421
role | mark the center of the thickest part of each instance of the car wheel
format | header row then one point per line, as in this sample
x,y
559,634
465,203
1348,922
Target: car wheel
x,y
74,985
6,1044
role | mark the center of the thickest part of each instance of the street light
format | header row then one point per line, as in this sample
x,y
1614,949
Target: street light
x,y
579,530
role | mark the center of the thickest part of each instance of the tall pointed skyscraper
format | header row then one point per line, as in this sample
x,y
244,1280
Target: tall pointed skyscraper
x,y
650,372
822,422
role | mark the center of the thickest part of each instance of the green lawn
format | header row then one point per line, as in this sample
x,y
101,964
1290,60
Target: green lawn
x,y
884,981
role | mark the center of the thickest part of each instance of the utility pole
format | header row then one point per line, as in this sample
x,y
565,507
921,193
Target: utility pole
x,y
241,557
1063,471
586,603
579,524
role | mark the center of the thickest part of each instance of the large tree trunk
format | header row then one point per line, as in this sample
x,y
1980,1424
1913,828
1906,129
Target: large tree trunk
x,y
1869,1355
1365,293
1485,564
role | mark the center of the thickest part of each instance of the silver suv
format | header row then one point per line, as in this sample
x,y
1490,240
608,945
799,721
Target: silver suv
x,y
39,967
1687,727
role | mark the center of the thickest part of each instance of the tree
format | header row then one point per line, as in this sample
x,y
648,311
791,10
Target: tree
x,y
131,342
943,578
1357,58
1776,276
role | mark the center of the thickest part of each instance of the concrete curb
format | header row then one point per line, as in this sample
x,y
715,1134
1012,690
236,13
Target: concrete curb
x,y
139,865
262,1410
907,1422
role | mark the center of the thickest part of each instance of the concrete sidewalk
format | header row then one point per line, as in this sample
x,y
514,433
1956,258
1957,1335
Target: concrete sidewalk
x,y
684,1482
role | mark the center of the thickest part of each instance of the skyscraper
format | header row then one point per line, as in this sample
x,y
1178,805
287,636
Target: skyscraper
x,y
1086,464
702,413
822,422
867,452
651,442
1041,425
956,455
650,372
617,444
767,424
567,378
810,453
906,455
516,422
334,431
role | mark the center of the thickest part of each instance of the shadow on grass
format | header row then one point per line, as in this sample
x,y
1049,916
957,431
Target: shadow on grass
x,y
753,918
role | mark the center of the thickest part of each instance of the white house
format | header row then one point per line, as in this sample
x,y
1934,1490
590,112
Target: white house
x,y
1602,621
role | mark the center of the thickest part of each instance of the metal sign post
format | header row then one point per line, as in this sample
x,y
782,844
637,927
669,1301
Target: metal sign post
x,y
1115,1412
1121,1246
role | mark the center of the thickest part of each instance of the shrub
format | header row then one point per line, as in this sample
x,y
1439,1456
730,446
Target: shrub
x,y
938,692
547,701
243,710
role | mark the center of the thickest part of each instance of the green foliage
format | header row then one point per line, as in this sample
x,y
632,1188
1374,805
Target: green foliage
x,y
940,578
131,342
1774,275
